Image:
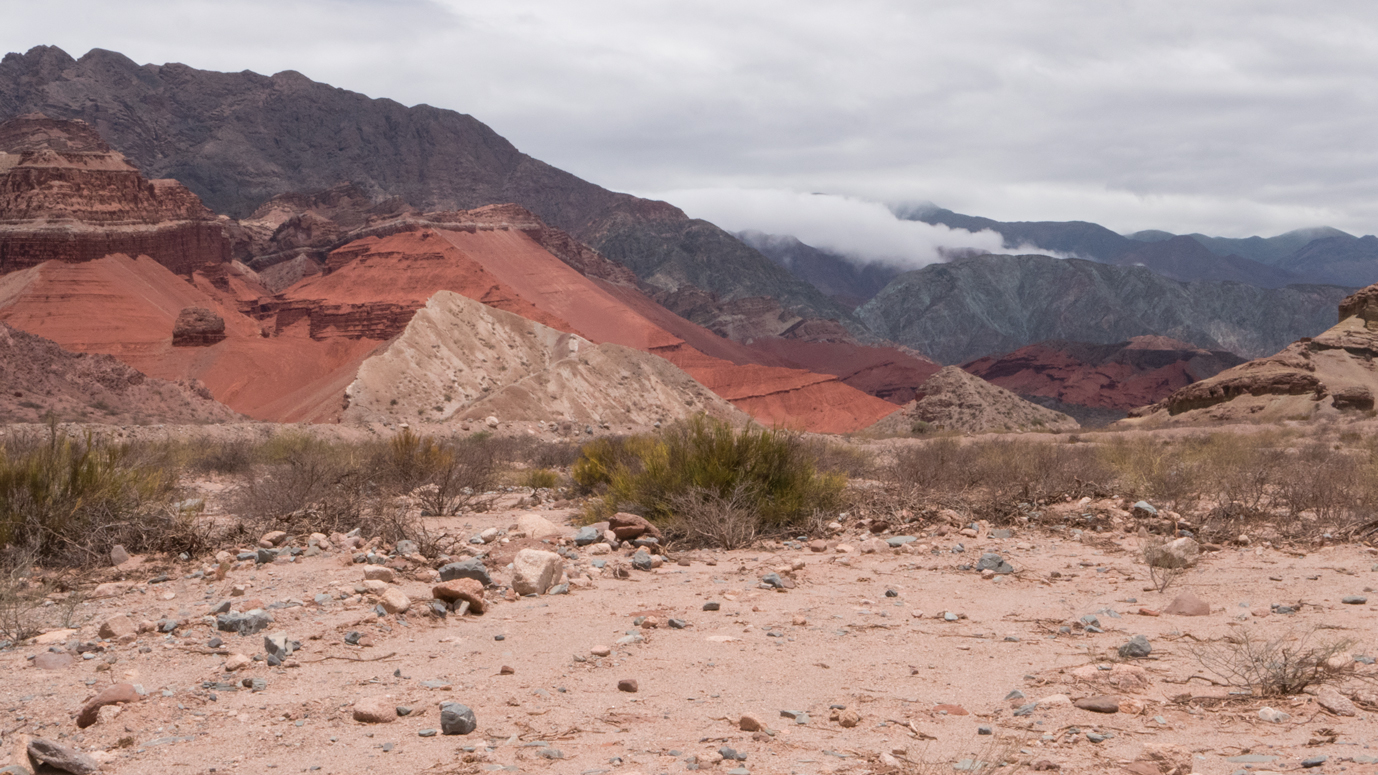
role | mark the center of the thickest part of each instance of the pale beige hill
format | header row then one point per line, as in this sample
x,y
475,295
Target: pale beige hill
x,y
459,359
1325,376
955,400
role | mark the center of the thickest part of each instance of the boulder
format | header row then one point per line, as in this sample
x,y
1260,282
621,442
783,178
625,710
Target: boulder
x,y
535,571
61,757
536,526
466,569
462,589
629,526
1187,604
1178,553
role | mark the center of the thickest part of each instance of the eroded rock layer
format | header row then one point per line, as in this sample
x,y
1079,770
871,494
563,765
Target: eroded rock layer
x,y
1311,378
67,196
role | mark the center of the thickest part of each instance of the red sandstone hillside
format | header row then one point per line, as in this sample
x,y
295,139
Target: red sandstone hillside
x,y
1101,382
40,378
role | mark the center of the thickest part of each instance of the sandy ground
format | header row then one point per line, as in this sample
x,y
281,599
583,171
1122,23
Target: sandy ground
x,y
923,687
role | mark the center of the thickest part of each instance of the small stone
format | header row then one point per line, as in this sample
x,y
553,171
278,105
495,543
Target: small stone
x,y
53,660
457,719
677,624
506,670
466,589
1353,600
848,718
627,685
588,535
1314,761
375,710
119,628
749,724
773,580
818,546
426,733
534,571
1330,698
237,662
1136,648
641,560
630,526
1103,703
994,563
985,730
247,623
118,693
118,555
272,538
379,573
1273,716
712,606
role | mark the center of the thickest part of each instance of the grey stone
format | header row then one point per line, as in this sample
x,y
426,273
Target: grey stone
x,y
1353,600
457,719
550,753
1142,509
466,569
641,560
677,624
264,556
587,535
897,541
61,757
1014,694
1025,710
1314,761
984,730
1137,647
118,555
994,562
731,754
426,733
712,605
407,547
773,580
247,623
1095,737
1252,758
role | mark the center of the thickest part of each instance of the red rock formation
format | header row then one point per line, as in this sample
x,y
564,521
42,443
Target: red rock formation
x,y
1116,377
197,327
67,196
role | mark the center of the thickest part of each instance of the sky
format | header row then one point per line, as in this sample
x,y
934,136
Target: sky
x,y
1229,118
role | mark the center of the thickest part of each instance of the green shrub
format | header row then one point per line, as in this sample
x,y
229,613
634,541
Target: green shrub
x,y
769,473
541,478
67,501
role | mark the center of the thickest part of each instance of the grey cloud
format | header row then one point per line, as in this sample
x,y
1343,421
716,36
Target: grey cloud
x,y
1229,118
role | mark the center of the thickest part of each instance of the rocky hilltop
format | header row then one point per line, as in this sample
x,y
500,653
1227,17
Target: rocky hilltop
x,y
65,195
240,139
1331,373
955,400
1100,383
971,307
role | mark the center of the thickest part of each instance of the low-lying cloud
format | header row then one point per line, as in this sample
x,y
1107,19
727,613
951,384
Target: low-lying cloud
x,y
866,231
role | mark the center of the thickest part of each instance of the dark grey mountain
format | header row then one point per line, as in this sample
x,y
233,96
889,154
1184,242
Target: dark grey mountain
x,y
847,280
238,139
958,311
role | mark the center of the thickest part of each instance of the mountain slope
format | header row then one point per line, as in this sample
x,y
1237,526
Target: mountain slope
x,y
848,281
994,304
238,139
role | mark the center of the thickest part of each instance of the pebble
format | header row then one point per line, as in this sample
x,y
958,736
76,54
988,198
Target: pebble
x,y
1273,716
749,724
1314,761
457,719
1103,703
712,606
375,710
1354,600
600,651
1187,604
627,685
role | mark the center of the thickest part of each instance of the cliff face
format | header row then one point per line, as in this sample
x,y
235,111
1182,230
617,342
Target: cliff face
x,y
971,307
67,196
240,139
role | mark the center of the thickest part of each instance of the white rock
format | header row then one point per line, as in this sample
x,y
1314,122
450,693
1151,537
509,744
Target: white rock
x,y
1273,716
536,526
535,571
395,601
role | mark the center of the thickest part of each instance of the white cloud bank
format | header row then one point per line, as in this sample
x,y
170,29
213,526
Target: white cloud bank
x,y
852,227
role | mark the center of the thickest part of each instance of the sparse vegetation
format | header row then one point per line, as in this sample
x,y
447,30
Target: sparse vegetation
x,y
67,501
1276,667
771,473
541,479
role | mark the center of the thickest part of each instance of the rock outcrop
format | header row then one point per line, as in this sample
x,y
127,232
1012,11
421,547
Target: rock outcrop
x,y
197,327
955,400
1313,377
65,195
1097,384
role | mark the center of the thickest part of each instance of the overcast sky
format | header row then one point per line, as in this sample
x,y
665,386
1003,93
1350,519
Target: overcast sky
x,y
1229,118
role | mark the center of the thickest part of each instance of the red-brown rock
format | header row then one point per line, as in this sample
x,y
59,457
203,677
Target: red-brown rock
x,y
628,527
462,589
197,327
118,693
